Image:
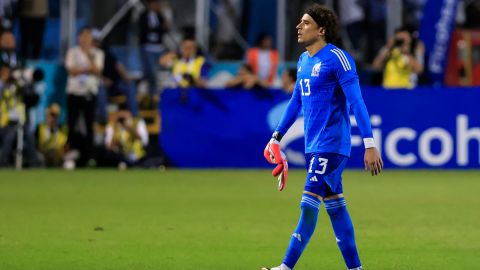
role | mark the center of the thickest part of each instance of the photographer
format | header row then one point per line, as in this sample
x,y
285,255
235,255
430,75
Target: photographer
x,y
188,69
401,60
13,129
246,79
125,140
52,137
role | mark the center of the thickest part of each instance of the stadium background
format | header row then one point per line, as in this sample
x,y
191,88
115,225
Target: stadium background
x,y
416,215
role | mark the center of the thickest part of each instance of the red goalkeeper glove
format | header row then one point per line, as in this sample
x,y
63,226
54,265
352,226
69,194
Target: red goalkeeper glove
x,y
274,155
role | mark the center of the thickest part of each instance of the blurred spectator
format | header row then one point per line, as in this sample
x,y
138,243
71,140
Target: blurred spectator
x,y
188,69
246,79
125,140
13,131
116,81
351,16
51,137
376,13
29,78
472,14
289,79
228,14
152,27
8,12
84,64
412,12
167,13
263,59
8,46
33,15
401,60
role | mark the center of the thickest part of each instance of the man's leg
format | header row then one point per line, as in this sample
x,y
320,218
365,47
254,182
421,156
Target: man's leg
x,y
129,90
306,226
101,104
89,115
149,63
343,228
8,137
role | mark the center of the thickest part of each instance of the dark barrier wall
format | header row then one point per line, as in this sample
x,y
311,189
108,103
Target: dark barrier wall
x,y
423,128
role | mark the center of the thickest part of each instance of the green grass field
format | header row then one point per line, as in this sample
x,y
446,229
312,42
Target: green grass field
x,y
229,219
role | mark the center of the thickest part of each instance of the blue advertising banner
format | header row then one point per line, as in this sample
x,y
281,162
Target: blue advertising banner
x,y
435,31
423,128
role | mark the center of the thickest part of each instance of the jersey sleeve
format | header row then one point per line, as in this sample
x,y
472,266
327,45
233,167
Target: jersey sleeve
x,y
293,107
347,77
291,113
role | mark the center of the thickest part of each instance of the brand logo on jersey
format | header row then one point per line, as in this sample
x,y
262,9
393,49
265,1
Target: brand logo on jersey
x,y
314,179
316,70
299,69
298,236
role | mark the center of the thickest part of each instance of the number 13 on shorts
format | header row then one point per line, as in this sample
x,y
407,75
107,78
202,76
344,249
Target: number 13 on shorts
x,y
322,165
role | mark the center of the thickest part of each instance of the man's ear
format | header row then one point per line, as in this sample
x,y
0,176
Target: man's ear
x,y
321,31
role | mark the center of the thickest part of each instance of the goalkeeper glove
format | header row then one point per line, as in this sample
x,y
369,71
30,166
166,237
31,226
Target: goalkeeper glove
x,y
274,155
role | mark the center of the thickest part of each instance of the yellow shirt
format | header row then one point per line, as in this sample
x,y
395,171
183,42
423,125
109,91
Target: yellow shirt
x,y
12,109
398,73
192,67
51,141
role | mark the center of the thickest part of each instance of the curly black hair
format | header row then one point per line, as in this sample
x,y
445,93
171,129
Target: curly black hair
x,y
327,19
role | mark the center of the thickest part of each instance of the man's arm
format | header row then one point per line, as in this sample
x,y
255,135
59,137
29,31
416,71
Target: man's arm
x,y
372,158
70,64
348,79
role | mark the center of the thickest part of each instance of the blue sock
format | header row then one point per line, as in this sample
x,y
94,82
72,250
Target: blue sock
x,y
304,230
343,228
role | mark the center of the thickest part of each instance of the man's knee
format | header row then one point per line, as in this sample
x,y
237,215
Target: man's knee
x,y
310,202
333,197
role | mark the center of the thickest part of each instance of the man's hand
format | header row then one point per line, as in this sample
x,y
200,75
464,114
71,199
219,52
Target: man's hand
x,y
274,155
373,161
272,151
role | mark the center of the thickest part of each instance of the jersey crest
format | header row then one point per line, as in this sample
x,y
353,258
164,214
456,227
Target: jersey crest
x,y
316,69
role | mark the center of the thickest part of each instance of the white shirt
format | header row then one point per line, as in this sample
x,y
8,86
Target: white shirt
x,y
83,84
264,64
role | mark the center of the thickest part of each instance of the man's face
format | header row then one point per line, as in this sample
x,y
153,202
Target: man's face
x,y
188,49
52,119
242,72
308,31
85,39
5,72
267,43
7,41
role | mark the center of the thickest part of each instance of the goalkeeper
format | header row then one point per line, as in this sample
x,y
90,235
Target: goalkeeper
x,y
327,88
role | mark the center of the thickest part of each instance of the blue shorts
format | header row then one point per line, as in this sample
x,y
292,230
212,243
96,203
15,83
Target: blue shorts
x,y
324,176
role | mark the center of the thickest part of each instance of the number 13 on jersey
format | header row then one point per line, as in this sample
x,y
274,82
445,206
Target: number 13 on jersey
x,y
305,89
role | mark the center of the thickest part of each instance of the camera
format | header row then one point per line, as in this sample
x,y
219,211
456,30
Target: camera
x,y
189,78
398,42
121,120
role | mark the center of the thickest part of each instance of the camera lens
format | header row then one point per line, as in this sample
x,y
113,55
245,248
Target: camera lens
x,y
398,42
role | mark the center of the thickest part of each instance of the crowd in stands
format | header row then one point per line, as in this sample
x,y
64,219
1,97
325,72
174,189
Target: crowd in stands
x,y
96,76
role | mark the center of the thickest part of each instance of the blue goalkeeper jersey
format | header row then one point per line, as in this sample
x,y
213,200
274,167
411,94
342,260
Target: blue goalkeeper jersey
x,y
327,88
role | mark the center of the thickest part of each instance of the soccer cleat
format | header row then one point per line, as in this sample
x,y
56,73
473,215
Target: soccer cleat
x,y
281,267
